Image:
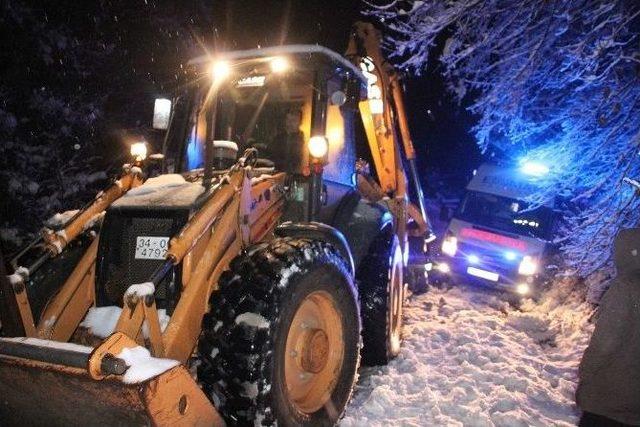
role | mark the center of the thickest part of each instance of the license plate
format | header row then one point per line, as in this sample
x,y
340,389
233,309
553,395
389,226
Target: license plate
x,y
148,247
483,274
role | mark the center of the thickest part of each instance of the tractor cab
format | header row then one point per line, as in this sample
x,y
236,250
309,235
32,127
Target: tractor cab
x,y
295,105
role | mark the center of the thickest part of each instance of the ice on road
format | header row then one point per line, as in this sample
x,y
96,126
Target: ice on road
x,y
470,359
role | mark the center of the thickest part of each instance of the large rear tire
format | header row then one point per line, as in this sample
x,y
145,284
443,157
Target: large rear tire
x,y
381,288
281,343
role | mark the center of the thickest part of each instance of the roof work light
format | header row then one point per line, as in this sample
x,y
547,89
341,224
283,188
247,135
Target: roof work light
x,y
220,70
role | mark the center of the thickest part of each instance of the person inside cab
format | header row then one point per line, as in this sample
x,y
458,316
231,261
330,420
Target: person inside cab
x,y
285,149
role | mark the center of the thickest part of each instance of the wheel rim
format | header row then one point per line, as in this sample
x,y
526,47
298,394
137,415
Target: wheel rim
x,y
314,352
396,296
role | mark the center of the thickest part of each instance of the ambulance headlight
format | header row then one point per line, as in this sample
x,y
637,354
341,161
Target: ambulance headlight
x,y
450,245
523,289
528,266
443,267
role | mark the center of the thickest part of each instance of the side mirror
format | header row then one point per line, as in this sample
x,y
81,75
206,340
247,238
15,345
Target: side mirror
x,y
161,113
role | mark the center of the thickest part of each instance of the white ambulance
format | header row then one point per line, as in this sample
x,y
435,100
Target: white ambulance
x,y
493,238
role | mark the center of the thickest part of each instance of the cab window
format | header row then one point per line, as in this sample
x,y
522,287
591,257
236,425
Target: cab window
x,y
340,134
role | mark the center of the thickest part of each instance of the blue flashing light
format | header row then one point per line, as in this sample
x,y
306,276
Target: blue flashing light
x,y
533,168
510,256
195,152
473,259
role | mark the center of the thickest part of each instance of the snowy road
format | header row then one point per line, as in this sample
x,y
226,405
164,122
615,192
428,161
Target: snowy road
x,y
469,359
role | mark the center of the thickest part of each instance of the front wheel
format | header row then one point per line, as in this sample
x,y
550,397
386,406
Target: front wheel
x,y
281,343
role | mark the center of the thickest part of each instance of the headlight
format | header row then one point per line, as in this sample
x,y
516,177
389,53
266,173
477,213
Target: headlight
x,y
220,70
528,266
522,289
318,146
279,64
443,267
450,245
139,151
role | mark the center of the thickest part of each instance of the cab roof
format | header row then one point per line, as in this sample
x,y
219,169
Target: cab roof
x,y
315,54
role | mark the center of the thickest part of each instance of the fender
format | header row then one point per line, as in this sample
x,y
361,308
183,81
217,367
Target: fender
x,y
319,231
360,221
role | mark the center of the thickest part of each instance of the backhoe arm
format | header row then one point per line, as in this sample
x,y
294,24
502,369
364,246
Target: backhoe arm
x,y
385,122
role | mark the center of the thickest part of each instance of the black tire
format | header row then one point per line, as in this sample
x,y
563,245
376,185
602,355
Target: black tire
x,y
242,364
417,279
381,323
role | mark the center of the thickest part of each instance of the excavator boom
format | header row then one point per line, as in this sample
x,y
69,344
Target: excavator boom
x,y
385,121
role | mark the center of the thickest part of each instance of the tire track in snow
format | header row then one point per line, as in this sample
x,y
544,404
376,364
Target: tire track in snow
x,y
470,359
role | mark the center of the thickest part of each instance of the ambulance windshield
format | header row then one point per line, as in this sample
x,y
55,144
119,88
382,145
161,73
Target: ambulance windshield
x,y
506,214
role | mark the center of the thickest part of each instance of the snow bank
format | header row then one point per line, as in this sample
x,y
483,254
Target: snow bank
x,y
101,321
51,344
471,359
142,366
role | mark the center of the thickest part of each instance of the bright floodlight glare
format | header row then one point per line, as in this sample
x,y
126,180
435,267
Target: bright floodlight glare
x,y
139,150
443,267
473,259
534,168
528,266
450,245
318,146
279,64
522,288
220,70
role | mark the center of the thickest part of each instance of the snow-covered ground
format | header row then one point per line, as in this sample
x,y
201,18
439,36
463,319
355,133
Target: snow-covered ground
x,y
470,359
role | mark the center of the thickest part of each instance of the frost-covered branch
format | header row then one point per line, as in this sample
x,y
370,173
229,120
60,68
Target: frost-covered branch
x,y
557,81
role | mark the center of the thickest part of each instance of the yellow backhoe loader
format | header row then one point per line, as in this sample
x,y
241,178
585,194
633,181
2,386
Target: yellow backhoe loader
x,y
238,285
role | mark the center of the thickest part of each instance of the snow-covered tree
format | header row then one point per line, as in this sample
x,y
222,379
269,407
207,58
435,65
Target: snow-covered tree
x,y
74,76
48,115
556,81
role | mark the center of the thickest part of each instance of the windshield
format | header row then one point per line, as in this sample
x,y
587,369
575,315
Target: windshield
x,y
505,214
270,113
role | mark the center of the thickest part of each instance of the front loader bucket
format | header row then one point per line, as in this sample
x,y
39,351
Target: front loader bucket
x,y
39,392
